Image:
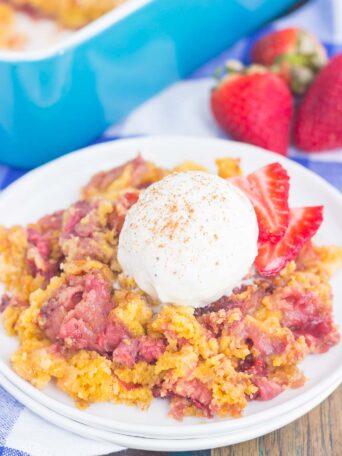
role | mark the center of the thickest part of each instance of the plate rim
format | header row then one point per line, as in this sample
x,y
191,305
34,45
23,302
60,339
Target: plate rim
x,y
136,140
160,444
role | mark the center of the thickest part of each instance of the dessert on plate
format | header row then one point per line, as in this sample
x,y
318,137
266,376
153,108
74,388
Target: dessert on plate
x,y
203,290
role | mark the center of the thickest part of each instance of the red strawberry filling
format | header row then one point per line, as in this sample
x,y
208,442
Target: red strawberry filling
x,y
307,315
145,348
78,311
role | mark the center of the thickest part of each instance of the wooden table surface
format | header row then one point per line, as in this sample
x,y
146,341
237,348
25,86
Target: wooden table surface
x,y
319,433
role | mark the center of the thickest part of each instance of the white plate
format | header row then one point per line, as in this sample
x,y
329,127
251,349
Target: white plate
x,y
161,444
56,185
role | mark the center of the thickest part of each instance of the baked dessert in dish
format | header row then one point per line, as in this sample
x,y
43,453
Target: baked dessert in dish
x,y
68,13
10,37
104,327
35,24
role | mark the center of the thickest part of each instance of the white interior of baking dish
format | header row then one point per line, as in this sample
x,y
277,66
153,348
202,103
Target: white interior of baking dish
x,y
57,40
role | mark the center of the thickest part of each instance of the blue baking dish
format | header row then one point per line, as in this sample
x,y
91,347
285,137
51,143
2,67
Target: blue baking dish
x,y
60,99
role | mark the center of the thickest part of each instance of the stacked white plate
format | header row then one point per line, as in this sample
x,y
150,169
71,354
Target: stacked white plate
x,y
55,186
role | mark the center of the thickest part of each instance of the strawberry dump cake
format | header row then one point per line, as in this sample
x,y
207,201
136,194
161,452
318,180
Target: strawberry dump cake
x,y
206,291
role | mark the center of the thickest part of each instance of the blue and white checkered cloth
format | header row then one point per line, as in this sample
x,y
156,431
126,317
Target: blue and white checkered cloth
x,y
182,109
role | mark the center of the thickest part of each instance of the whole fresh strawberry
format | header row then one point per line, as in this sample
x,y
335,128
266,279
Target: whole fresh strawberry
x,y
318,125
294,54
254,106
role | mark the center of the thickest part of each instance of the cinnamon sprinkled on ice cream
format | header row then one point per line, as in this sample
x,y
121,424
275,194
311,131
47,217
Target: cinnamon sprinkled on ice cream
x,y
189,239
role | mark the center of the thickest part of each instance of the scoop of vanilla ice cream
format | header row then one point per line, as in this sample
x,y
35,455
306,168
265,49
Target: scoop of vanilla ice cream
x,y
189,239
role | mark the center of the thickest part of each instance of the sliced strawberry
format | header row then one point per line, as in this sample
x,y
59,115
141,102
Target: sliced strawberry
x,y
304,222
268,191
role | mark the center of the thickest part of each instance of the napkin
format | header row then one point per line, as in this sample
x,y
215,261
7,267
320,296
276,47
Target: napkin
x,y
182,109
24,433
